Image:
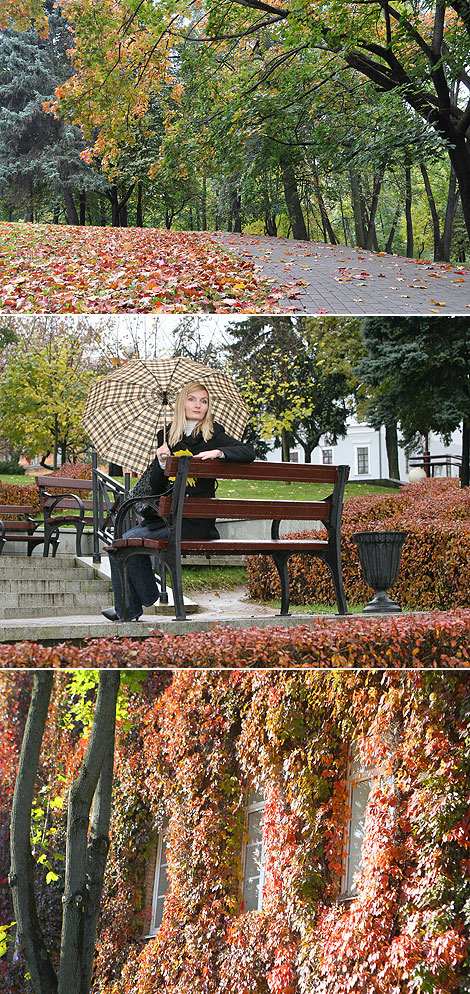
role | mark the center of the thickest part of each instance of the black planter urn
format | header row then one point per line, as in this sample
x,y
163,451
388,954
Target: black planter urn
x,y
380,553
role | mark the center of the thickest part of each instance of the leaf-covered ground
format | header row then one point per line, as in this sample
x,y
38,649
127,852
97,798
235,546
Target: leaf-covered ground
x,y
55,268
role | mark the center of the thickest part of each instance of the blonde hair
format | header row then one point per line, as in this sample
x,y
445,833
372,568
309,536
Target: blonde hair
x,y
178,424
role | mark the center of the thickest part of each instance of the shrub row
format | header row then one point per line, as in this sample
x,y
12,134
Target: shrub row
x,y
407,641
435,564
18,493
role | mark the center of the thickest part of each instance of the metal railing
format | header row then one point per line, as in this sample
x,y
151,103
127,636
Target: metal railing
x,y
108,496
430,463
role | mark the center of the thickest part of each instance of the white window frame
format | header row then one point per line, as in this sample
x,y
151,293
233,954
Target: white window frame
x,y
356,775
357,447
160,864
329,461
251,807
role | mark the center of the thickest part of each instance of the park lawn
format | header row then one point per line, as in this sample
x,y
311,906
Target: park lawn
x,y
49,268
263,489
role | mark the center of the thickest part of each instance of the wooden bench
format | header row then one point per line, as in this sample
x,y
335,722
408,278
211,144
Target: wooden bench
x,y
21,527
175,506
54,505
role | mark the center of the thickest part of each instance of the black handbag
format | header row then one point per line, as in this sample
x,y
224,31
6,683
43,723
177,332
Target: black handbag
x,y
143,488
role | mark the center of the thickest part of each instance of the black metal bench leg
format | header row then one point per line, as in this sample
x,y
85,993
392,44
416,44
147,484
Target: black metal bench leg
x,y
122,563
280,561
335,570
174,569
78,540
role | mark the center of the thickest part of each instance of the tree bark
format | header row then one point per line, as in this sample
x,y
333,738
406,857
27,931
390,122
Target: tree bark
x,y
389,245
294,206
391,444
72,216
204,203
465,476
82,201
409,219
357,209
323,211
86,857
139,217
371,236
21,877
451,207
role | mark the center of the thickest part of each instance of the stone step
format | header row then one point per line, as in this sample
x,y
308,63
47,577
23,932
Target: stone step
x,y
49,605
55,586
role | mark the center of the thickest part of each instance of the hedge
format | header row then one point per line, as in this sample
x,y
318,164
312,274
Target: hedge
x,y
409,641
435,564
19,493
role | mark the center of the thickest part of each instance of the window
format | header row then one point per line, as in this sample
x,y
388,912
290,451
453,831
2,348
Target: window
x,y
294,456
327,456
160,886
359,783
253,870
362,456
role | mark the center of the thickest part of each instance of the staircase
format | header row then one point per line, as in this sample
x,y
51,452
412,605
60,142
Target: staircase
x,y
48,588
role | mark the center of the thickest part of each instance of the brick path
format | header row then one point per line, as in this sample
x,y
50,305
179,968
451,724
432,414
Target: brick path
x,y
313,278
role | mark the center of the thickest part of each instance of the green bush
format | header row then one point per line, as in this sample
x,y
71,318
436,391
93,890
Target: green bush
x,y
10,467
435,563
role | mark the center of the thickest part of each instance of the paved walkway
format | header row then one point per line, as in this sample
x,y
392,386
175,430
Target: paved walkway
x,y
313,278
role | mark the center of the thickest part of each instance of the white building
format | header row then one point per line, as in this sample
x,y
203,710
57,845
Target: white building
x,y
364,450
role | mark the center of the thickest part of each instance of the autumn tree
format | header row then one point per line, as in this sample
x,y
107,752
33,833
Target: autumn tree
x,y
86,848
44,390
420,371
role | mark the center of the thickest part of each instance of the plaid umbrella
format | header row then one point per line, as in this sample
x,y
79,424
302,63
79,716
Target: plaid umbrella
x,y
125,410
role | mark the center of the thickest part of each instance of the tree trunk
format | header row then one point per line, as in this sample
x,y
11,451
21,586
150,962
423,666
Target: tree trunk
x,y
72,216
285,446
459,154
391,444
451,207
82,202
389,245
204,203
21,876
86,856
371,234
357,209
139,217
323,211
235,211
409,219
113,197
465,476
294,206
56,214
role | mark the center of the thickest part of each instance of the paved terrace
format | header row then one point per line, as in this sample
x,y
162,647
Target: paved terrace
x,y
314,278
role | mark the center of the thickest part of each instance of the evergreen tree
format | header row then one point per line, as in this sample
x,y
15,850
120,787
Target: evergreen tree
x,y
40,160
420,370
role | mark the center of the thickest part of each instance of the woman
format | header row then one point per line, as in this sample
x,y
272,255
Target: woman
x,y
192,428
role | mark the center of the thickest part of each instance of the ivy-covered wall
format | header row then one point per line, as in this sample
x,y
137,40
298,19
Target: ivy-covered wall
x,y
192,743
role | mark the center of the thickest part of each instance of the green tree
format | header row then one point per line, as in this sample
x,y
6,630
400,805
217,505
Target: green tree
x,y
43,392
419,369
296,378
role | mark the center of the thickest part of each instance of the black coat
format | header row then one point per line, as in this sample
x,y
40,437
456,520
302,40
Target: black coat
x,y
235,451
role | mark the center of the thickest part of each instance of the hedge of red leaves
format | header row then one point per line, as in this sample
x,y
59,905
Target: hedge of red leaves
x,y
435,563
194,743
439,639
18,493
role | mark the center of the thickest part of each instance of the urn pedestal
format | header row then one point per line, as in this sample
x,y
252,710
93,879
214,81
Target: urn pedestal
x,y
380,554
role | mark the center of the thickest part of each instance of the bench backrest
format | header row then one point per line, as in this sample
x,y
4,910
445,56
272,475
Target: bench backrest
x,y
328,510
50,487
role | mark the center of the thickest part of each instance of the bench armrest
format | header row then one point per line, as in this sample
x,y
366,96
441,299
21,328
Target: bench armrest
x,y
57,500
153,500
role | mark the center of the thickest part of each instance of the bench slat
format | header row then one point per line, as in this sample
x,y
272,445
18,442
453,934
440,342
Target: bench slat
x,y
221,469
260,510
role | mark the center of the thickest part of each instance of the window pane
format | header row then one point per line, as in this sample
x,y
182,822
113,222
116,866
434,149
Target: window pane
x,y
359,798
252,871
362,459
160,887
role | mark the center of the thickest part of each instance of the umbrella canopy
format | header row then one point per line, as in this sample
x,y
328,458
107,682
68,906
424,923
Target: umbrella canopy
x,y
125,410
